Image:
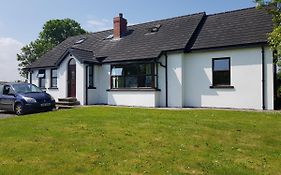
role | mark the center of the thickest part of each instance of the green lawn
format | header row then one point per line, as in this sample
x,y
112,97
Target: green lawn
x,y
109,140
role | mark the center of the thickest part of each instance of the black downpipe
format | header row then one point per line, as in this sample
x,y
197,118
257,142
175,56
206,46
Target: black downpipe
x,y
166,78
263,78
275,79
87,85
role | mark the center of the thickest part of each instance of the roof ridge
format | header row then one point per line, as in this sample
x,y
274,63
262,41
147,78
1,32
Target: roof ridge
x,y
142,23
171,18
231,11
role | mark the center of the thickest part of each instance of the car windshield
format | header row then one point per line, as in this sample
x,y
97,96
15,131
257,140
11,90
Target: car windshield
x,y
26,88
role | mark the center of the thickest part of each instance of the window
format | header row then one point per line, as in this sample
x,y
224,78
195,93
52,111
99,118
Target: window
x,y
7,90
133,76
91,76
54,78
1,89
41,78
221,72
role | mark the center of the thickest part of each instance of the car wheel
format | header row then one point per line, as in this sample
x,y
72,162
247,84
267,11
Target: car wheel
x,y
19,109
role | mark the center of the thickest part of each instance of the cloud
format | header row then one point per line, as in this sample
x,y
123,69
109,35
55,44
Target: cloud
x,y
99,25
9,48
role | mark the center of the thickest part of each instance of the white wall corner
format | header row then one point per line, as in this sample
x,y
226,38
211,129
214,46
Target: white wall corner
x,y
175,80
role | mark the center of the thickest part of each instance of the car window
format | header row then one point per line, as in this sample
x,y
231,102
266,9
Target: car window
x,y
1,89
26,88
7,90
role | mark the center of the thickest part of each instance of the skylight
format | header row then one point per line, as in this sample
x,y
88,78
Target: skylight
x,y
155,28
80,41
109,36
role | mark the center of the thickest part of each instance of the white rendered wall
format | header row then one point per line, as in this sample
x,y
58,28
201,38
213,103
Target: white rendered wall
x,y
93,95
103,84
133,98
269,79
161,83
61,92
246,77
175,80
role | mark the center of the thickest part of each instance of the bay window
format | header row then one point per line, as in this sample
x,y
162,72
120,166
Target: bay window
x,y
128,76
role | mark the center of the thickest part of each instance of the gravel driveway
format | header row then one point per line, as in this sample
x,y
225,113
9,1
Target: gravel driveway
x,y
4,114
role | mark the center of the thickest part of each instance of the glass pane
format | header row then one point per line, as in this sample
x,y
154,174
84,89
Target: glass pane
x,y
117,82
41,71
90,70
42,82
72,62
145,81
131,69
54,72
54,82
116,71
91,81
145,69
131,82
221,64
221,78
41,75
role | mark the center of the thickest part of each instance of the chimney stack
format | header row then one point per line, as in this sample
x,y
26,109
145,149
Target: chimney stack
x,y
120,26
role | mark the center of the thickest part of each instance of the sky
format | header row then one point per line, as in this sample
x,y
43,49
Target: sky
x,y
22,20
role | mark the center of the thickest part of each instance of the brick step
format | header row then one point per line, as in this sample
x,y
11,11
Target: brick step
x,y
68,99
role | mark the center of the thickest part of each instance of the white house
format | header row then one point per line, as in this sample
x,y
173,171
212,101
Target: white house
x,y
220,60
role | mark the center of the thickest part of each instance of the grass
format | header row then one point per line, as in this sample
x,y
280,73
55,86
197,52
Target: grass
x,y
106,140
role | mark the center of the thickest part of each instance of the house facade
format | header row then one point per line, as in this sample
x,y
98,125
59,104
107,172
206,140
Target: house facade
x,y
220,60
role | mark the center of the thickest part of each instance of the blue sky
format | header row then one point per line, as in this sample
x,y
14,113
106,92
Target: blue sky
x,y
22,20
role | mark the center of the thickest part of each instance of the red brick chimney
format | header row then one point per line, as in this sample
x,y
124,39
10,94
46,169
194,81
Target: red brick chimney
x,y
120,26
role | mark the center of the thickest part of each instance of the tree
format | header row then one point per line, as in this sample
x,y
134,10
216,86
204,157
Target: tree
x,y
53,33
273,7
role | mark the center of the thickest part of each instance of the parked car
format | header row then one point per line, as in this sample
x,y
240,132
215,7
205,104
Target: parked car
x,y
22,98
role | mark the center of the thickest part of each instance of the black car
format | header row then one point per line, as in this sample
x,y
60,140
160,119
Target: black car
x,y
24,98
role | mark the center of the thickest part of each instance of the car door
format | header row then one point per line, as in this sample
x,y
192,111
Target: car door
x,y
1,93
8,98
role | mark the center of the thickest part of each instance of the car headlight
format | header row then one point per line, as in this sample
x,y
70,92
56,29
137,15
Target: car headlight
x,y
29,100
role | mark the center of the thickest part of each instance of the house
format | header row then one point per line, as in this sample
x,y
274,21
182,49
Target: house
x,y
220,60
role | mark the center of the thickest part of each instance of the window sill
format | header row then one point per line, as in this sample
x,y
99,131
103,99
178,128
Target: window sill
x,y
92,88
222,87
53,88
134,89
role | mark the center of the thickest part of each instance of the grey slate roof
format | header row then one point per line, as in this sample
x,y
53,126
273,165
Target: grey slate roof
x,y
246,26
191,32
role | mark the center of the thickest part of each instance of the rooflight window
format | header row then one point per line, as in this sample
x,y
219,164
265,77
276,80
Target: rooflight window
x,y
109,37
80,41
155,28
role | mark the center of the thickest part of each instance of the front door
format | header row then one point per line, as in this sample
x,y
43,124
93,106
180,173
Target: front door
x,y
72,79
